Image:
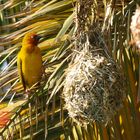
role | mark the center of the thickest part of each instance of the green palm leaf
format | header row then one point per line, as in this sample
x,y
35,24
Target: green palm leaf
x,y
44,114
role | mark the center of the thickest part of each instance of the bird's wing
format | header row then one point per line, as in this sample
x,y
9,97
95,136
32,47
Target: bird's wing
x,y
19,64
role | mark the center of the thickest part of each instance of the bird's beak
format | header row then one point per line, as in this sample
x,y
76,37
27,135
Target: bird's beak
x,y
38,38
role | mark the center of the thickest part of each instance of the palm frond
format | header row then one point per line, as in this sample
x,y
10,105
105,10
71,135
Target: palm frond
x,y
43,114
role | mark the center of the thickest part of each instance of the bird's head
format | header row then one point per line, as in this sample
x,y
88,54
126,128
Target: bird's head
x,y
30,40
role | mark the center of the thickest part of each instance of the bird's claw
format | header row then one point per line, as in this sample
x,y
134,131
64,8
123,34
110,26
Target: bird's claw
x,y
27,93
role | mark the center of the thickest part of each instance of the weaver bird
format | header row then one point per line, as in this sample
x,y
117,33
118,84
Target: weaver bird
x,y
29,61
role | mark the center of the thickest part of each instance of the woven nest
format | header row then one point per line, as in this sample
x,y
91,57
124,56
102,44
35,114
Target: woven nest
x,y
94,88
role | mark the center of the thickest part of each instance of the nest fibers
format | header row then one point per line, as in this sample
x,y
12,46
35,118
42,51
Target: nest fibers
x,y
94,88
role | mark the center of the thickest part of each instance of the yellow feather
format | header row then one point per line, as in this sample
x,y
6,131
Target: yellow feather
x,y
29,62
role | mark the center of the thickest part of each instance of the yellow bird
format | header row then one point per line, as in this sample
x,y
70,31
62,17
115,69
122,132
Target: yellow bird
x,y
29,61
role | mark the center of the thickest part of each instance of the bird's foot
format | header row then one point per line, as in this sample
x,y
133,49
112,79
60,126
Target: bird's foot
x,y
27,93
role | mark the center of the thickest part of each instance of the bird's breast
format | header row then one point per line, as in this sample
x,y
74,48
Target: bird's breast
x,y
32,67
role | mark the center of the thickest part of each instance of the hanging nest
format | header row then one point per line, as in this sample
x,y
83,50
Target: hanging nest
x,y
94,87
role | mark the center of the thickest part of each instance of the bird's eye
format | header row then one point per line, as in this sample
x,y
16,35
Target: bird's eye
x,y
32,36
